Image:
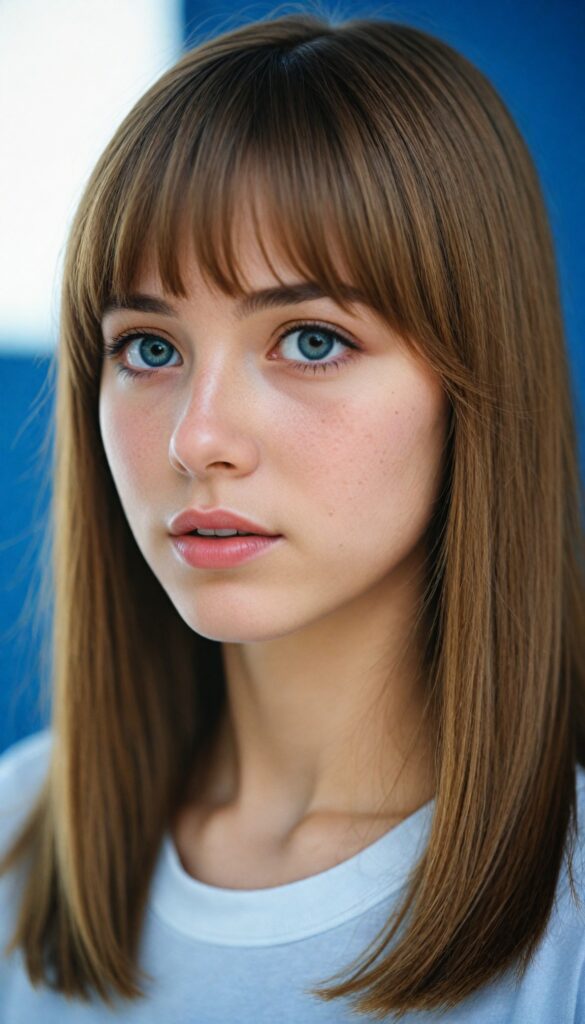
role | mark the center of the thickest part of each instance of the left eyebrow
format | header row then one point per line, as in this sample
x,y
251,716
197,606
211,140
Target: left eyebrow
x,y
289,294
253,302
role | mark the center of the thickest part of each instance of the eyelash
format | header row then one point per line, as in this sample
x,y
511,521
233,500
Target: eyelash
x,y
118,344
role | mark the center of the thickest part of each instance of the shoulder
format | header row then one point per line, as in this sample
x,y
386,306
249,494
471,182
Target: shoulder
x,y
563,948
23,767
579,850
580,784
25,761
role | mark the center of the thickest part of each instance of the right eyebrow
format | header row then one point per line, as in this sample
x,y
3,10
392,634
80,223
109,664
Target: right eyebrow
x,y
141,304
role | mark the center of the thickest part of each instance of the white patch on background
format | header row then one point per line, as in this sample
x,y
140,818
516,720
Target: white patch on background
x,y
69,73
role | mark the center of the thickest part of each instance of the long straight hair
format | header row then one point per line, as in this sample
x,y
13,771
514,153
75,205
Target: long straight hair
x,y
384,140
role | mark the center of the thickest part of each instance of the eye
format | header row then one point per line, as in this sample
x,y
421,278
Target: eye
x,y
315,340
151,346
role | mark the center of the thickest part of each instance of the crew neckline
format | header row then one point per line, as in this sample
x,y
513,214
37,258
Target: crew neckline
x,y
295,910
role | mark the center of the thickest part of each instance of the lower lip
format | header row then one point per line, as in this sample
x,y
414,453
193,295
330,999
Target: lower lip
x,y
211,553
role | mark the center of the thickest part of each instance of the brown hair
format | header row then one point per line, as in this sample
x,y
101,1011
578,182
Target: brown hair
x,y
384,138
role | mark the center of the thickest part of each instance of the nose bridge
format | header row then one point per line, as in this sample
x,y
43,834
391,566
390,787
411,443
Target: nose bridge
x,y
210,424
214,380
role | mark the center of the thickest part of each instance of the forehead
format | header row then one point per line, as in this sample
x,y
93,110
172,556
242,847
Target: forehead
x,y
248,256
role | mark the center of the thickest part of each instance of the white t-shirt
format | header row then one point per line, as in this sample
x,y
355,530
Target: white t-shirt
x,y
229,956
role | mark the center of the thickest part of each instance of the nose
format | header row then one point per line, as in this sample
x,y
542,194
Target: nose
x,y
213,432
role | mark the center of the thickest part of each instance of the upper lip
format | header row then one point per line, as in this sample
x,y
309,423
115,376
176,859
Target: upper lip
x,y
214,519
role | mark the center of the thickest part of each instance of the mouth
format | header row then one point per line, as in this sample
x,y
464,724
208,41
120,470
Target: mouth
x,y
215,523
205,552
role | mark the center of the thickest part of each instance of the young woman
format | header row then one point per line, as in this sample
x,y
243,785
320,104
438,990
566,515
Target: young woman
x,y
334,770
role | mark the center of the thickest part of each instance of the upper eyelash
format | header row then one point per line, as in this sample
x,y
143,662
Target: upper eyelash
x,y
118,343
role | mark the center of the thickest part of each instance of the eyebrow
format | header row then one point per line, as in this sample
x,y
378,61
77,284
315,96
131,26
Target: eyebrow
x,y
263,298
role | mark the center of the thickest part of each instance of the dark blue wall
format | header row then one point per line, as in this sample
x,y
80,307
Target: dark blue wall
x,y
533,53
26,408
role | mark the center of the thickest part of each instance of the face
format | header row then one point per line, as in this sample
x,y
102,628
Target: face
x,y
342,459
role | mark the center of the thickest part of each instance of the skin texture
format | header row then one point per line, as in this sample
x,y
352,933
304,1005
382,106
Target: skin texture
x,y
323,747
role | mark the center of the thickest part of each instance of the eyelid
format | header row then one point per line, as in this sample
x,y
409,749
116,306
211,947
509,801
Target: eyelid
x,y
295,325
132,332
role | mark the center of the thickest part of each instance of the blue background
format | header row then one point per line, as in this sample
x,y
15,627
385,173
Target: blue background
x,y
533,52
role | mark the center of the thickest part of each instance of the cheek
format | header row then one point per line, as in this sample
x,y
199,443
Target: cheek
x,y
131,442
377,462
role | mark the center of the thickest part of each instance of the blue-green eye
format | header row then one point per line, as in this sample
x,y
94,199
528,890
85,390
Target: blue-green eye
x,y
315,341
150,347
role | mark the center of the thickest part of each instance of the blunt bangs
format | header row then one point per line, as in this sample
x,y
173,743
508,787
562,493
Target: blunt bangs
x,y
279,138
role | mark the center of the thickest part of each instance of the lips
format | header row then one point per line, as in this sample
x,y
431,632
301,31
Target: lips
x,y
215,519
